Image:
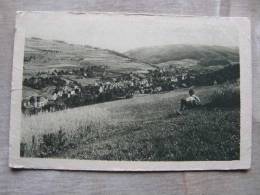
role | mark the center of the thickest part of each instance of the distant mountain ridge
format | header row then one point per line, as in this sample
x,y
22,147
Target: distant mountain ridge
x,y
201,53
53,54
44,55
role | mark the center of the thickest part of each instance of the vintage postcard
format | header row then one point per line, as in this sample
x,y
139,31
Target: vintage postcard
x,y
130,92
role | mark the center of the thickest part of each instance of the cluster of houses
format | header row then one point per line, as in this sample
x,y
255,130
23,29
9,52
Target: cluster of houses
x,y
154,81
151,82
34,102
65,92
39,101
140,82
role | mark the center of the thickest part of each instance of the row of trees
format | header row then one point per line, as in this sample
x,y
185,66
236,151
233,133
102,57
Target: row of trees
x,y
41,82
228,73
89,71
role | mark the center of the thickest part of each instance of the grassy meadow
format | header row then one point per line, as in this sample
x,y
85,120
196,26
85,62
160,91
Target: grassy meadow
x,y
145,127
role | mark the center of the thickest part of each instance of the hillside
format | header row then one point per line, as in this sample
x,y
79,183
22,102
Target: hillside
x,y
141,128
175,54
43,55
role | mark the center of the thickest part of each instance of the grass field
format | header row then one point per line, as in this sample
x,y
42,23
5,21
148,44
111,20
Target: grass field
x,y
141,128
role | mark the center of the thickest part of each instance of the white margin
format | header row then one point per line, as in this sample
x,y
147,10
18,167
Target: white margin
x,y
15,161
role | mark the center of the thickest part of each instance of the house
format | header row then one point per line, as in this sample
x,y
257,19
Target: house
x,y
77,88
60,93
66,88
26,103
41,101
192,77
54,96
34,102
184,76
174,79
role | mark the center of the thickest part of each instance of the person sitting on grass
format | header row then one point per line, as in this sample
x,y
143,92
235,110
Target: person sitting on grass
x,y
190,102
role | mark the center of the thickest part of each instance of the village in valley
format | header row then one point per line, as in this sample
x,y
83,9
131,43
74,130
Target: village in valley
x,y
62,91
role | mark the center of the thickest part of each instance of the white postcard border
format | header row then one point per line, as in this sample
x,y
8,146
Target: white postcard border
x,y
15,161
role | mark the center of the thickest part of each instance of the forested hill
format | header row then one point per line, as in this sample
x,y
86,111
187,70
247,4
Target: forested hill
x,y
50,54
192,54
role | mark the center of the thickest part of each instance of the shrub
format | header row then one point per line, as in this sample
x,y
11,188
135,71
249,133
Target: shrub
x,y
52,144
227,96
46,145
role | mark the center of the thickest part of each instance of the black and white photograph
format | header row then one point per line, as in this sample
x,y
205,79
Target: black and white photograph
x,y
130,92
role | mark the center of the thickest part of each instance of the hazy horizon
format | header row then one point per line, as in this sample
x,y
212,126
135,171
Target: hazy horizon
x,y
123,33
144,47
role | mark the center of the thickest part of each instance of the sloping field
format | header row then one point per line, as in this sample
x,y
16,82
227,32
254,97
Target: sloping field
x,y
145,107
127,110
141,128
47,55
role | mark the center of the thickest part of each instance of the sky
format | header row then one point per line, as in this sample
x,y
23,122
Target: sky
x,y
126,32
